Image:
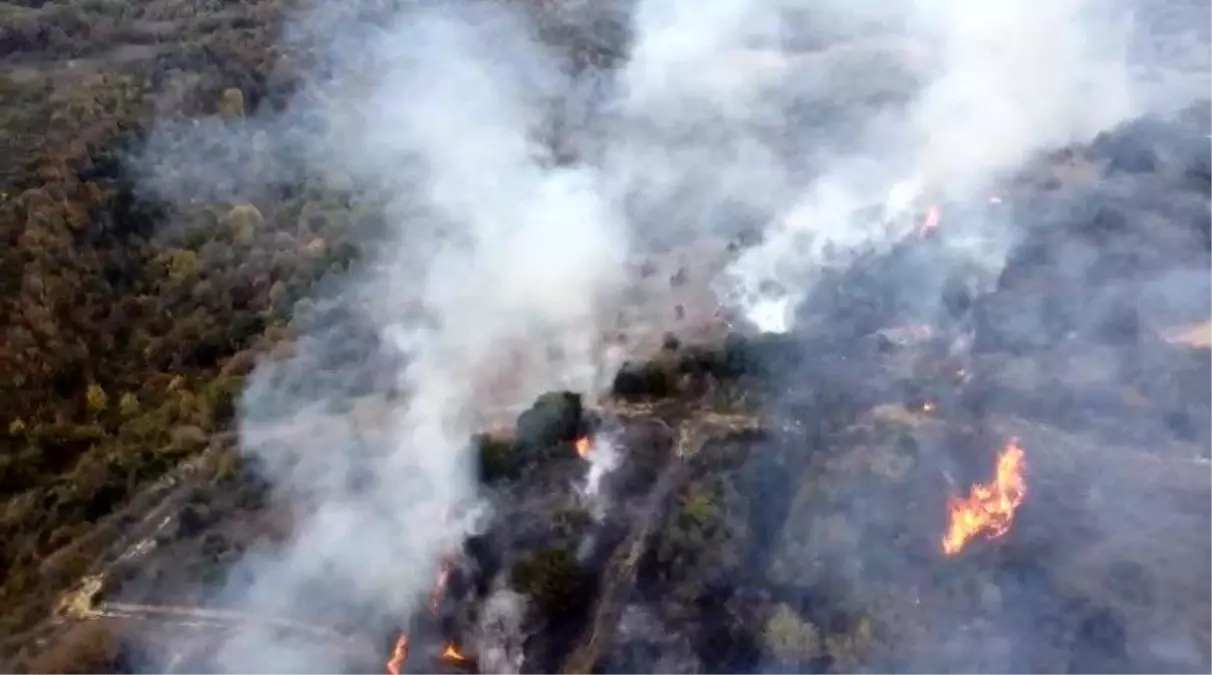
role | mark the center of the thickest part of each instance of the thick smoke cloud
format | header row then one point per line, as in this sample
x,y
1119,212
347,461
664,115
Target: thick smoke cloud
x,y
998,84
505,264
488,289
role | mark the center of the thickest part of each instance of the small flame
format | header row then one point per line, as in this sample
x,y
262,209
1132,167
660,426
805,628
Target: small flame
x,y
583,447
989,508
451,653
399,654
934,215
929,407
439,587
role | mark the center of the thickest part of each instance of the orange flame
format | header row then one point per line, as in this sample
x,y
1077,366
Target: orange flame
x,y
399,654
452,653
989,508
583,447
439,587
934,215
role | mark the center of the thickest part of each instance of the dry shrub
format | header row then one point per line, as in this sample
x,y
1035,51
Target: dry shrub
x,y
86,647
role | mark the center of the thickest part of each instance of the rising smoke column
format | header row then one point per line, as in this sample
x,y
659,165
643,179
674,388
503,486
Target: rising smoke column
x,y
993,85
498,262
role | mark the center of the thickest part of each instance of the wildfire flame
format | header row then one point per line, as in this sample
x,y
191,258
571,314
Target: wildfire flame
x,y
583,447
399,654
439,586
989,509
452,653
395,664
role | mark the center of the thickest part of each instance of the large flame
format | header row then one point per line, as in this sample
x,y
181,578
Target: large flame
x,y
399,654
989,509
583,446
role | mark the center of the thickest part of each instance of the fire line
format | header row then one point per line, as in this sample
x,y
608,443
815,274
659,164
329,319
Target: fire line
x,y
988,510
399,654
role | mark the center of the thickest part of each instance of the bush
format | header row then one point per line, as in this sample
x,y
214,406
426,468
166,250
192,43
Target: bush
x,y
554,580
790,638
242,223
640,381
497,458
556,417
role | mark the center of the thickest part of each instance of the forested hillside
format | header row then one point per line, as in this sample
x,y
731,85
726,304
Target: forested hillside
x,y
129,323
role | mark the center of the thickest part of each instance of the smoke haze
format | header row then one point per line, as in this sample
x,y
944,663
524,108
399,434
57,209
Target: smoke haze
x,y
504,264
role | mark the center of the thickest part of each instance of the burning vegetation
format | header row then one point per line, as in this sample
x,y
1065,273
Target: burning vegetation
x,y
583,447
399,656
988,510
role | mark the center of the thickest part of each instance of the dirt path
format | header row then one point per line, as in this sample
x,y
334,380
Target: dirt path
x,y
619,577
620,573
82,605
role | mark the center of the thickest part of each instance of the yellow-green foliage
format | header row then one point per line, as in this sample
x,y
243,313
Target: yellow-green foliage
x,y
96,398
179,264
242,222
128,405
790,638
697,506
231,103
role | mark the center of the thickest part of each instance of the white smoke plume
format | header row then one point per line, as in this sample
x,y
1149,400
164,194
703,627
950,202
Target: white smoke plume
x,y
489,288
498,640
603,458
997,84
